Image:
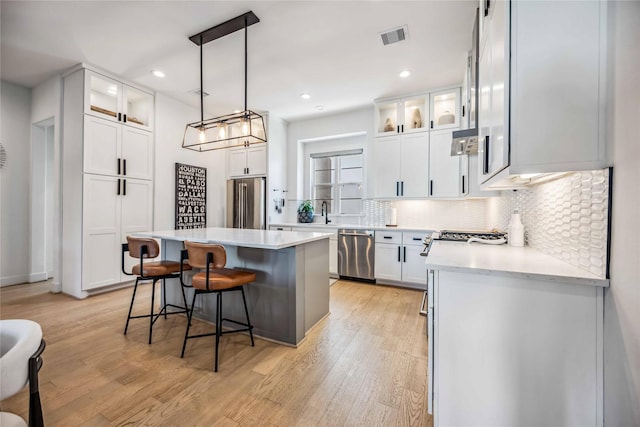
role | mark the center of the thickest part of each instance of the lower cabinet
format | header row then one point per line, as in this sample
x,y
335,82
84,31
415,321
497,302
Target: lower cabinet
x,y
112,208
503,347
398,258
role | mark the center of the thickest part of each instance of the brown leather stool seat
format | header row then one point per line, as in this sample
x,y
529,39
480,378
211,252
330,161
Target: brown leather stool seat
x,y
216,279
145,248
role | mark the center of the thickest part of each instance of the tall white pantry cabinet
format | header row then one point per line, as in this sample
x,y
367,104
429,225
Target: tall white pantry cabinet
x,y
108,148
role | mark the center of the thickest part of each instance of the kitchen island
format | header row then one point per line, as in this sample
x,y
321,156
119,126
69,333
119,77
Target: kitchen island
x,y
515,338
291,291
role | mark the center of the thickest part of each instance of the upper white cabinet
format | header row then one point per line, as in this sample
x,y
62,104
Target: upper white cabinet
x,y
112,149
448,175
247,161
402,115
551,57
401,165
113,100
444,106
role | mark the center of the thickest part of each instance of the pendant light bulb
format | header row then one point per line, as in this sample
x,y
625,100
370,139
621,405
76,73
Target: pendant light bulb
x,y
244,125
202,136
222,131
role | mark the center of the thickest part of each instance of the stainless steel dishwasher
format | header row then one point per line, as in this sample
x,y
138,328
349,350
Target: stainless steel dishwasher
x,y
356,254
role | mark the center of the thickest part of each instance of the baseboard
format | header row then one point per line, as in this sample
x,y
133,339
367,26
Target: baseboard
x,y
14,280
37,277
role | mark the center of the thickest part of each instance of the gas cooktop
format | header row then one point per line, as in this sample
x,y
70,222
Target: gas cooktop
x,y
464,236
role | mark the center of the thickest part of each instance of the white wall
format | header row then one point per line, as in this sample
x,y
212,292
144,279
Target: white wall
x,y
15,113
360,120
46,221
171,119
622,299
277,166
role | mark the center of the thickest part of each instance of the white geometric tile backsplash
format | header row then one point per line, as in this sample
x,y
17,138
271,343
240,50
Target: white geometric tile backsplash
x,y
565,218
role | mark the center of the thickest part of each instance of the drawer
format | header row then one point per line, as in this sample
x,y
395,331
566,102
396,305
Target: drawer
x,y
389,237
413,238
280,228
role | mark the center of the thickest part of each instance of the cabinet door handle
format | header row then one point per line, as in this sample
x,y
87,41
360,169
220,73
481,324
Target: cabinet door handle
x,y
118,192
124,187
402,128
463,184
397,188
402,188
118,165
124,118
398,253
119,117
405,254
431,187
247,171
124,166
398,129
431,124
463,111
486,7
485,166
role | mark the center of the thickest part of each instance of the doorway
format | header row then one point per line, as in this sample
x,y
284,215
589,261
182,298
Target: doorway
x,y
43,191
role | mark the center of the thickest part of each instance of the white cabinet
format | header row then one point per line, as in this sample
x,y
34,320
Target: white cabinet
x,y
247,161
112,209
553,119
333,243
447,174
402,115
113,100
113,149
279,228
488,331
398,259
107,176
401,165
444,106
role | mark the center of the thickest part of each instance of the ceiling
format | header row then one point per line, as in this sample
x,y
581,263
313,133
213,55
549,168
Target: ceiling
x,y
329,49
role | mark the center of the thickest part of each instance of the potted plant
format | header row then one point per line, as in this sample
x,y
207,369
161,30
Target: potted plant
x,y
305,212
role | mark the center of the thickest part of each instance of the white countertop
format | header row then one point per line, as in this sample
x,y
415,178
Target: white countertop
x,y
504,260
263,239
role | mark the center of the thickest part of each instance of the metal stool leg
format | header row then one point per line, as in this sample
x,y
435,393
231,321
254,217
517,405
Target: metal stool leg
x,y
218,325
153,298
246,311
189,317
135,288
164,297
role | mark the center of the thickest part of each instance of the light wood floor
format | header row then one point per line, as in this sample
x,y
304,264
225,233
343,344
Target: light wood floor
x,y
366,364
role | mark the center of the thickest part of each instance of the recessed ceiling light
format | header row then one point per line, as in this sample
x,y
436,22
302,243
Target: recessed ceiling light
x,y
319,107
157,73
305,96
404,74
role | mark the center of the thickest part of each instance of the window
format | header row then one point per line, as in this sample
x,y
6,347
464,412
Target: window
x,y
336,178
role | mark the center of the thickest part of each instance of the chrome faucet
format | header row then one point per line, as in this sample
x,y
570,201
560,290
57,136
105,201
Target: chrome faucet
x,y
325,212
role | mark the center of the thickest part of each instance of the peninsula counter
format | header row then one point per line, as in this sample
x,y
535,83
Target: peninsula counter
x,y
291,291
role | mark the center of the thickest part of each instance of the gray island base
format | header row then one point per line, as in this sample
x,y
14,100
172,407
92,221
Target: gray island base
x,y
291,291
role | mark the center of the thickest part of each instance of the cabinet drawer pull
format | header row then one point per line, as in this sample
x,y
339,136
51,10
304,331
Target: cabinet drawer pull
x,y
402,128
416,238
402,188
405,254
397,188
124,166
485,166
118,192
118,166
387,237
398,129
124,187
398,253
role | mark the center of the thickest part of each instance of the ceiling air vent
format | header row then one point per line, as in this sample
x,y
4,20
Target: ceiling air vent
x,y
197,92
395,35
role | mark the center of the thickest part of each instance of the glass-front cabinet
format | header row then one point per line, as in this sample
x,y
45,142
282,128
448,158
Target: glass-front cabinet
x,y
444,106
402,115
113,100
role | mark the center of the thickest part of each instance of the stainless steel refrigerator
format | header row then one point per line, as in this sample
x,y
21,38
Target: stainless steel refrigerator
x,y
246,203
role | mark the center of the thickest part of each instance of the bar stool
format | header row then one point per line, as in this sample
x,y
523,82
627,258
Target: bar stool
x,y
142,248
215,279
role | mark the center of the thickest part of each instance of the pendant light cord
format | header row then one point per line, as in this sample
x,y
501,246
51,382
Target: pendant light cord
x,y
201,87
245,63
